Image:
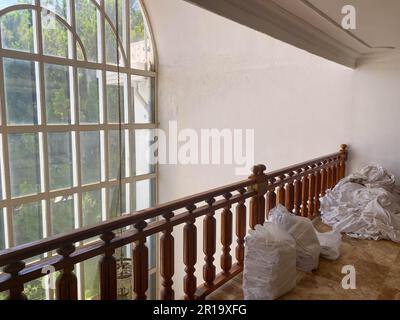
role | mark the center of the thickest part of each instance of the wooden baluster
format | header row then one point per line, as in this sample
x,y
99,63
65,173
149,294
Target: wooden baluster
x,y
190,255
304,196
329,176
338,171
317,190
140,256
311,193
254,201
108,270
226,236
262,210
324,182
342,162
280,194
209,245
271,201
289,199
334,177
240,229
262,191
167,262
66,283
17,291
257,202
254,211
297,196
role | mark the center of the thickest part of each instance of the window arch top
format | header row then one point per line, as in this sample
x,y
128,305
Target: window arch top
x,y
92,29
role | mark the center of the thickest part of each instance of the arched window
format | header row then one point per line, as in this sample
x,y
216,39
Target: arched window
x,y
77,113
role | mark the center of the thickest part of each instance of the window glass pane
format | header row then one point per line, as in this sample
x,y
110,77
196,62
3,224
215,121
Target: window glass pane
x,y
141,51
57,94
92,274
116,156
113,109
143,194
86,27
79,52
57,6
4,295
110,11
152,250
17,30
152,287
143,105
1,184
62,214
91,207
60,160
34,290
141,161
124,272
111,46
2,231
20,90
116,201
24,164
27,223
55,36
90,157
88,95
9,3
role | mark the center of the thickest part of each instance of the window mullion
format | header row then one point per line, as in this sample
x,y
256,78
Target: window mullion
x,y
105,135
43,129
78,219
42,136
126,31
8,225
70,62
43,143
127,103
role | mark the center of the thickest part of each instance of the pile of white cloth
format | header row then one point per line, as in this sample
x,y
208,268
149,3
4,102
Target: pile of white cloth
x,y
364,205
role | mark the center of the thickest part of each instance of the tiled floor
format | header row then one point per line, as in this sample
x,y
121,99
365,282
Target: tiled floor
x,y
377,265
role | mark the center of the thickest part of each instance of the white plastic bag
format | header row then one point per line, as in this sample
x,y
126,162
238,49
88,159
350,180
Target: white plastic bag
x,y
330,244
269,263
303,232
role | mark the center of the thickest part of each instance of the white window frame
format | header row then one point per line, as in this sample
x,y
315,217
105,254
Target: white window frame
x,y
7,202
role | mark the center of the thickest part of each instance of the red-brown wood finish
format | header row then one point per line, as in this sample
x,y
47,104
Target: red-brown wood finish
x,y
108,270
226,236
190,255
209,245
66,283
240,229
298,187
167,260
140,257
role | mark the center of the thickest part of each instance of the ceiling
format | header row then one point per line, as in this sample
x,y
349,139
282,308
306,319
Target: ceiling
x,y
315,25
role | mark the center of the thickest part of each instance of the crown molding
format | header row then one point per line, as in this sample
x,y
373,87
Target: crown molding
x,y
267,17
379,57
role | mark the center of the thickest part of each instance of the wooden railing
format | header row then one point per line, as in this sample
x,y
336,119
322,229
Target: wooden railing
x,y
297,187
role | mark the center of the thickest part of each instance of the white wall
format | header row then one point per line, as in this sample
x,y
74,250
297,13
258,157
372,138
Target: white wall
x,y
375,114
214,73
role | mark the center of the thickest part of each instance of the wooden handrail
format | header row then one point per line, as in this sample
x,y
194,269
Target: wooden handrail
x,y
37,247
305,164
298,187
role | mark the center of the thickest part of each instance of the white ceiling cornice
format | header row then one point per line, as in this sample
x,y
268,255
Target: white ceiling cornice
x,y
281,22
